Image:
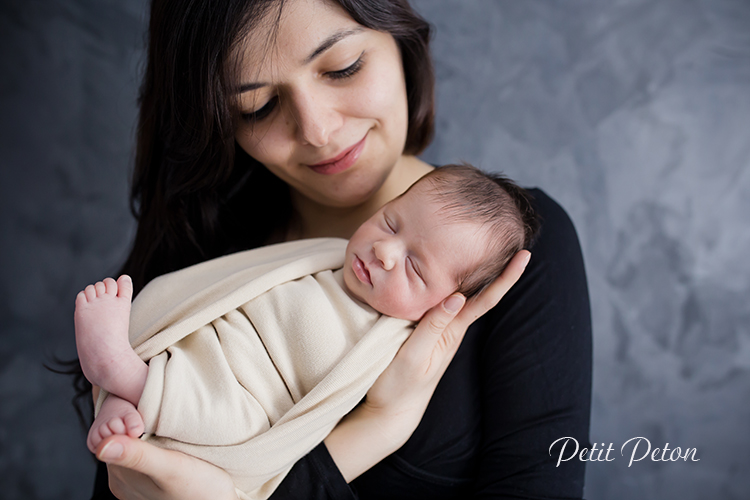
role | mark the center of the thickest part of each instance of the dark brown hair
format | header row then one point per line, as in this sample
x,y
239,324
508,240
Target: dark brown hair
x,y
503,210
195,194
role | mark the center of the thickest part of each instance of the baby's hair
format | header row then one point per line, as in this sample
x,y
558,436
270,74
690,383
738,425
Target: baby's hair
x,y
502,209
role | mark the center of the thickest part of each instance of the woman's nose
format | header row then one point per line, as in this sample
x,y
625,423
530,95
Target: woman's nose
x,y
316,117
387,251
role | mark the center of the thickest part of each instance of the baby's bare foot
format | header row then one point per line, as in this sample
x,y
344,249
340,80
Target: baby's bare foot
x,y
116,416
102,318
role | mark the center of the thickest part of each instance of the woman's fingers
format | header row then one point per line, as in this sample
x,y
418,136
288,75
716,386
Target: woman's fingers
x,y
489,298
431,328
440,331
134,454
398,398
138,469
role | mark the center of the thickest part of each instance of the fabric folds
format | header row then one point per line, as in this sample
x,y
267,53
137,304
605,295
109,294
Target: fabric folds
x,y
254,357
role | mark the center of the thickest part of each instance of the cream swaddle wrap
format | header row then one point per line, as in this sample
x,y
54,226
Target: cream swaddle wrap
x,y
254,357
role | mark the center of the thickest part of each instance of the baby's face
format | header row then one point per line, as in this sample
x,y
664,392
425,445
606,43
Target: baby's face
x,y
406,259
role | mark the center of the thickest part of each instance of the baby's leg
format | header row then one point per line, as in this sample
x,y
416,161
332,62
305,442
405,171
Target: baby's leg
x,y
101,322
116,416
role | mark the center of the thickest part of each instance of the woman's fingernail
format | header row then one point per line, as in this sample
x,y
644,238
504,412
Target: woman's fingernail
x,y
526,261
454,303
112,451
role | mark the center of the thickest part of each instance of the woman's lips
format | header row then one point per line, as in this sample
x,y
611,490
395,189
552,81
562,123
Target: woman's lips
x,y
361,271
341,162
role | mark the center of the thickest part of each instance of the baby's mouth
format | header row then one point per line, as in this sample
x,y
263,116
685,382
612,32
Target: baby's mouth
x,y
360,270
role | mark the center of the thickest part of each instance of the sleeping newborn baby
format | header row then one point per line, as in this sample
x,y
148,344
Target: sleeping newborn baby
x,y
454,230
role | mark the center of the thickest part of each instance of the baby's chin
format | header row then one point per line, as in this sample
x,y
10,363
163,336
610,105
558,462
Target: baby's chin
x,y
350,278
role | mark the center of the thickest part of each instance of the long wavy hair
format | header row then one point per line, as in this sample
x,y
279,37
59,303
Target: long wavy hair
x,y
195,193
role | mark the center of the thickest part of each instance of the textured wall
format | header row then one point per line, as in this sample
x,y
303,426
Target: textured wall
x,y
634,114
68,74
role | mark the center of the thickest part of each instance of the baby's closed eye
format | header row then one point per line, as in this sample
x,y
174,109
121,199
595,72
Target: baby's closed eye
x,y
414,268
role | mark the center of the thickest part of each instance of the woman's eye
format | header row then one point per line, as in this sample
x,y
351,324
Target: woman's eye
x,y
258,115
348,71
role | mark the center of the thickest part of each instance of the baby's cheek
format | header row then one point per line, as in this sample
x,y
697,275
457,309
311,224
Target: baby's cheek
x,y
396,305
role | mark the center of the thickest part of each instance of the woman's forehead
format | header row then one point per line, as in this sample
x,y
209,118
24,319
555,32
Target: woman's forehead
x,y
293,34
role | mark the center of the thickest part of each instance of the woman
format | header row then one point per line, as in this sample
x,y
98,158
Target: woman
x,y
269,121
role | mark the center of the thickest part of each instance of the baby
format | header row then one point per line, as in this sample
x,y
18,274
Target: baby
x,y
454,230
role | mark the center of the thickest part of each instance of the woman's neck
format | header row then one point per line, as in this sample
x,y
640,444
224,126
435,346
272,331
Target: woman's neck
x,y
313,220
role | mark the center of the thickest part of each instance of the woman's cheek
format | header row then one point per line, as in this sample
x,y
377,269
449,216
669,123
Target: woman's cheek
x,y
381,88
265,142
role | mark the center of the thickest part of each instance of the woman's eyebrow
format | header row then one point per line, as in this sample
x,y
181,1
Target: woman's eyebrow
x,y
331,41
325,45
247,87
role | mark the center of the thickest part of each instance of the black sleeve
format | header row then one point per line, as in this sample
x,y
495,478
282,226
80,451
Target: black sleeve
x,y
535,371
101,484
314,477
520,381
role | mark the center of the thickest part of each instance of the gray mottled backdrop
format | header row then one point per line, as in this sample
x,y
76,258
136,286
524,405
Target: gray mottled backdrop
x,y
634,114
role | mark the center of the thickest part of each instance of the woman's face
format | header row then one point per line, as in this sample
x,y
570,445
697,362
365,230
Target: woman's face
x,y
323,103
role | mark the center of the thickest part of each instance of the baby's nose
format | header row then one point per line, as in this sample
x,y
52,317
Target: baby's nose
x,y
386,252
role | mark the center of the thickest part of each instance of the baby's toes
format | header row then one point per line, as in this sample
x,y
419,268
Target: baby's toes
x,y
125,287
134,424
92,441
104,431
110,286
101,288
90,292
81,299
95,437
117,426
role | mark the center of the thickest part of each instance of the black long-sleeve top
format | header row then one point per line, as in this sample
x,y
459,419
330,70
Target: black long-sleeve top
x,y
520,380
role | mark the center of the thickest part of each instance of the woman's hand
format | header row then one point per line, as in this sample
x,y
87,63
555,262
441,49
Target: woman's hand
x,y
392,410
397,401
138,470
